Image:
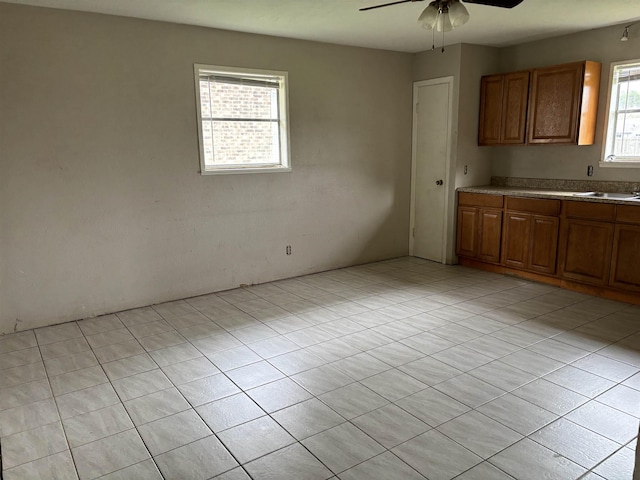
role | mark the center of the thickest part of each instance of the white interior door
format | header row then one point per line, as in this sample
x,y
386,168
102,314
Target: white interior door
x,y
432,109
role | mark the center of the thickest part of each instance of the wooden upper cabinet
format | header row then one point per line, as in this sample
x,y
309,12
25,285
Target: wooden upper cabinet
x,y
514,108
503,108
490,110
563,104
551,105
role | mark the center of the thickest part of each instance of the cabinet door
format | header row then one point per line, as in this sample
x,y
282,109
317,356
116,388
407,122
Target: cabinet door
x,y
625,266
555,104
490,235
543,245
467,232
586,251
515,250
490,110
514,108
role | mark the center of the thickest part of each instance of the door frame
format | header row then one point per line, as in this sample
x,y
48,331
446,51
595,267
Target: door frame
x,y
447,177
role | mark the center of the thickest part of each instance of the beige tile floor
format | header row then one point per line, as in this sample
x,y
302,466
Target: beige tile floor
x,y
402,369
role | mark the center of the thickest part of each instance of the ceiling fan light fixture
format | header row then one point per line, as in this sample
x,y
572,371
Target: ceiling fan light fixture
x,y
444,21
429,16
458,14
625,34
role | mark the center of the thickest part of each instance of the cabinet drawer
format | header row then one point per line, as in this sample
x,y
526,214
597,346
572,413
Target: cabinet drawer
x,y
628,214
590,210
480,199
534,205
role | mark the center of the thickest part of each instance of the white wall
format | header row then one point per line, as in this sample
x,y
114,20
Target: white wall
x,y
568,161
101,204
475,61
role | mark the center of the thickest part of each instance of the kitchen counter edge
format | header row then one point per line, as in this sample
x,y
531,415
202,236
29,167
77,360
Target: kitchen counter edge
x,y
541,193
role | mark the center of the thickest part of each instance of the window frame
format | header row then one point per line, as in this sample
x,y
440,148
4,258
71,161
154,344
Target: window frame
x,y
283,120
608,144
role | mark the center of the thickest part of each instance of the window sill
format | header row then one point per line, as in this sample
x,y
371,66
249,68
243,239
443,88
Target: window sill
x,y
241,170
619,164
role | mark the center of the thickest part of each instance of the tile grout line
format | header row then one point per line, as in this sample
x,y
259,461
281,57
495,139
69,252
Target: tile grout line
x,y
55,402
391,340
109,381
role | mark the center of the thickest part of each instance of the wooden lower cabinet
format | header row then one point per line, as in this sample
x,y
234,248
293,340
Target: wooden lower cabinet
x,y
625,264
490,235
479,233
530,242
467,232
585,254
585,246
530,237
479,228
517,227
544,244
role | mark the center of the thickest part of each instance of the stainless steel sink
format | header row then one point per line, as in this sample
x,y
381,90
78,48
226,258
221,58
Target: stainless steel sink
x,y
616,196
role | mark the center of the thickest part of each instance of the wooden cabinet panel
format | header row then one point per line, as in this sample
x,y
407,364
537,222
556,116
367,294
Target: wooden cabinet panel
x,y
543,244
628,214
590,243
467,232
515,249
490,235
589,210
490,109
530,241
586,250
589,104
514,108
625,265
557,104
563,104
480,200
479,226
555,97
503,109
541,206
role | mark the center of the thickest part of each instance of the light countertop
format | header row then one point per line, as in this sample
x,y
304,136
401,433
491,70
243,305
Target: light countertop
x,y
543,193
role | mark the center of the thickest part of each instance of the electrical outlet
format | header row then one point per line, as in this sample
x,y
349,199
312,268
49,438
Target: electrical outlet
x,y
590,171
288,250
465,169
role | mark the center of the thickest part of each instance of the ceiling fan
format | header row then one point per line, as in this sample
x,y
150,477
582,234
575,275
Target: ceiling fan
x,y
445,15
492,3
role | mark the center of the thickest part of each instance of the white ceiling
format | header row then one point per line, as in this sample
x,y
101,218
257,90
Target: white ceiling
x,y
390,28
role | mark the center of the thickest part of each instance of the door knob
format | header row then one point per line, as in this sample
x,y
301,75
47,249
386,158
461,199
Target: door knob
x,y
439,182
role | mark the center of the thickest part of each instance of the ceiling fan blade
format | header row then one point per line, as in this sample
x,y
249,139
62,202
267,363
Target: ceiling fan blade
x,y
496,3
387,4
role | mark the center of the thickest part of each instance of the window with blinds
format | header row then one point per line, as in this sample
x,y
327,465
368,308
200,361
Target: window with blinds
x,y
622,146
242,120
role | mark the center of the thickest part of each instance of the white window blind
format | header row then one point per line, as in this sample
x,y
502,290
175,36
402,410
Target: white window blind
x,y
242,120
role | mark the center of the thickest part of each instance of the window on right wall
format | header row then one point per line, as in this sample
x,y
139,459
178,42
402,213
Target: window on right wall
x,y
622,144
